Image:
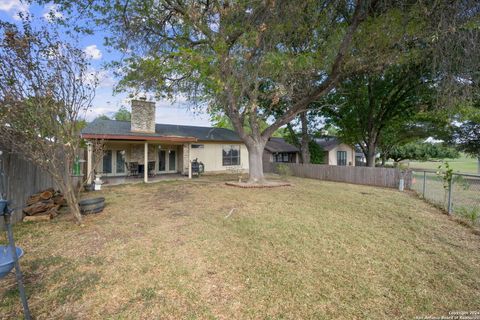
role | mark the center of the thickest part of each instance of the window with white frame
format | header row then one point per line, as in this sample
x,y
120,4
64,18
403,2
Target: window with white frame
x,y
231,155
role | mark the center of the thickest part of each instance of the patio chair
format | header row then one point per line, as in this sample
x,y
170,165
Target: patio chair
x,y
132,169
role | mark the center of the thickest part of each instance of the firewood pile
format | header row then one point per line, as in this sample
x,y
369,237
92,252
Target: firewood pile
x,y
44,205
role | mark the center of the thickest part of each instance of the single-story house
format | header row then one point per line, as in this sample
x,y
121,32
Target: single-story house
x,y
144,148
336,153
278,150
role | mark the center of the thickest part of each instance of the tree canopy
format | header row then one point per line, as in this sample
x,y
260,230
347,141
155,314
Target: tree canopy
x,y
364,107
122,114
44,92
422,151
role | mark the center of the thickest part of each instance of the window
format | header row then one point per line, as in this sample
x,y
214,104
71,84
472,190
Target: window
x,y
197,146
283,157
341,158
231,155
172,160
107,161
120,161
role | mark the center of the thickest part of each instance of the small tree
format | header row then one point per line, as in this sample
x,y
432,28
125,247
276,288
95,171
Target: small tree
x,y
122,114
44,89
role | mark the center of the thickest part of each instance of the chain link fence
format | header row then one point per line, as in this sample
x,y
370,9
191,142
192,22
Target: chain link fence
x,y
459,195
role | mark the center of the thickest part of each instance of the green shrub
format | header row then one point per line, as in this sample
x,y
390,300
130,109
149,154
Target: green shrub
x,y
284,171
472,214
316,153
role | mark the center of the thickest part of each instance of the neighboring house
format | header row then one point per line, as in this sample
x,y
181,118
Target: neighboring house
x,y
163,148
336,153
278,150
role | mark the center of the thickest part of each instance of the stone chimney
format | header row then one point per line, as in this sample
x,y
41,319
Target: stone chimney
x,y
143,116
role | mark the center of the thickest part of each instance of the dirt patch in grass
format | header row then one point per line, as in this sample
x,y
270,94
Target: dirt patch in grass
x,y
314,250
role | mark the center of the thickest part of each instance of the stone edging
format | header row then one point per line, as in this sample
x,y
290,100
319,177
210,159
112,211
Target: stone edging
x,y
252,186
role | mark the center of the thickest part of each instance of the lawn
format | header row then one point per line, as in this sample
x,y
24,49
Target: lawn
x,y
315,250
464,164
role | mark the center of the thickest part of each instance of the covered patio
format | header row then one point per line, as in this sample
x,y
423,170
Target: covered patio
x,y
142,150
130,159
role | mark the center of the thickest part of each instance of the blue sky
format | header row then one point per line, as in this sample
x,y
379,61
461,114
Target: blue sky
x,y
105,101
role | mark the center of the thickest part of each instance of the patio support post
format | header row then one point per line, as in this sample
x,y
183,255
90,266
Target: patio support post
x,y
89,163
189,161
145,165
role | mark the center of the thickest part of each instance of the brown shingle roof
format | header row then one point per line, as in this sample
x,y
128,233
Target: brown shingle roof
x,y
279,145
327,143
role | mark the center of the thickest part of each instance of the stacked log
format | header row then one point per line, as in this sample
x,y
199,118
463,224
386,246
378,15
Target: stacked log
x,y
44,205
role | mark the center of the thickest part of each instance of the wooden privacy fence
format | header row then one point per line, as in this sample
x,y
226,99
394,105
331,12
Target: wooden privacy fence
x,y
22,180
381,177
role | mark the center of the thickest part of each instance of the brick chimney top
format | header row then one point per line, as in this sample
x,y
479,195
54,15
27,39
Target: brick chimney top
x,y
143,116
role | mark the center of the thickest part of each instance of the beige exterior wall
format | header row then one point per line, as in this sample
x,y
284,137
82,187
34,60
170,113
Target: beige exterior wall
x,y
212,156
332,154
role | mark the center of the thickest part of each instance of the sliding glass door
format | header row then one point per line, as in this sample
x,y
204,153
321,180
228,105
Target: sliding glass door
x,y
107,161
162,165
113,162
167,160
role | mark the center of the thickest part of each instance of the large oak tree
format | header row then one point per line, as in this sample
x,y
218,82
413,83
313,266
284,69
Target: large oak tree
x,y
232,56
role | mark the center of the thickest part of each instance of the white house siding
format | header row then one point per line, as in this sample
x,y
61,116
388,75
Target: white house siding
x,y
212,156
332,154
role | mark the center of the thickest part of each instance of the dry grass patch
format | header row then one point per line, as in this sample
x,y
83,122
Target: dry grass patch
x,y
313,250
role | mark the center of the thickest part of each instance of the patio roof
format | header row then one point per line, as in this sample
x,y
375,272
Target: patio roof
x,y
138,137
120,130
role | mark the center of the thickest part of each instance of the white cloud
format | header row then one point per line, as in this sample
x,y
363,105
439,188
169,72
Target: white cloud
x,y
93,52
103,78
51,12
14,7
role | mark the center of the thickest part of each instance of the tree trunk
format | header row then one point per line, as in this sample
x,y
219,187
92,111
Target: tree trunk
x,y
255,161
370,155
72,202
71,197
305,138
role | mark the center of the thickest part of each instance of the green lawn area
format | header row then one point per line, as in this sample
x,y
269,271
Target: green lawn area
x,y
315,250
464,164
